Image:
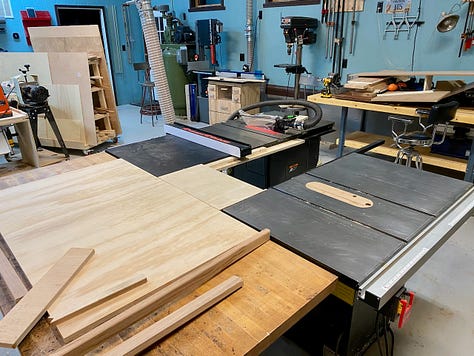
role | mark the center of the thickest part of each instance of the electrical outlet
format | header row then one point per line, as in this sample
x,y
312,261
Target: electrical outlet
x,y
242,57
344,63
260,14
379,7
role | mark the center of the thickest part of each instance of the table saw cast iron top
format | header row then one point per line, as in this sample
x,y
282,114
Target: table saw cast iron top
x,y
355,243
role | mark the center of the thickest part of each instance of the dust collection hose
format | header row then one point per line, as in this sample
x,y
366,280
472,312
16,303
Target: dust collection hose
x,y
155,58
314,110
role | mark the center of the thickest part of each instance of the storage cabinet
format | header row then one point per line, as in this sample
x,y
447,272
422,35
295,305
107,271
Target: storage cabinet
x,y
227,95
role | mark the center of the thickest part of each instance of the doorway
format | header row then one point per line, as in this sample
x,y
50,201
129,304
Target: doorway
x,y
68,15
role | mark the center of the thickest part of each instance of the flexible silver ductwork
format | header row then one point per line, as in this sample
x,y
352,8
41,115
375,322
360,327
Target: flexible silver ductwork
x,y
155,58
249,34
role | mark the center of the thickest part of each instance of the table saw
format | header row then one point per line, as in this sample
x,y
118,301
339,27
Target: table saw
x,y
373,249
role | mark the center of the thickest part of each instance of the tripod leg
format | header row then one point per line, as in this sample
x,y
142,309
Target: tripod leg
x,y
33,116
49,115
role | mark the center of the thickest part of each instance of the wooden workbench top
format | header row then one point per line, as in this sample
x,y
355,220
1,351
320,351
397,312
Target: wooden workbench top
x,y
279,288
463,116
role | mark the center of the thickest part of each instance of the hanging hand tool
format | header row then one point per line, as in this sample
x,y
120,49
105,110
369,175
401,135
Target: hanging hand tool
x,y
324,11
467,29
353,23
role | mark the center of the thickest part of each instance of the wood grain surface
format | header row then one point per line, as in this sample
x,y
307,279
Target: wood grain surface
x,y
176,319
341,195
210,186
182,286
136,222
23,317
12,280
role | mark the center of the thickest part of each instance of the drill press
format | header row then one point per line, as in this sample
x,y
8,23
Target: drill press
x,y
299,30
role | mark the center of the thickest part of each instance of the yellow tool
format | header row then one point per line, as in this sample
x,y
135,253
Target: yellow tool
x,y
326,92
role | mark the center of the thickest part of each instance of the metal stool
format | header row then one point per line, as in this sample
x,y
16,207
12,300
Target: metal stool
x,y
148,104
428,121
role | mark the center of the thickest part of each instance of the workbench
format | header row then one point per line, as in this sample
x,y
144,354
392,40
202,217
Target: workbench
x,y
279,289
464,117
25,136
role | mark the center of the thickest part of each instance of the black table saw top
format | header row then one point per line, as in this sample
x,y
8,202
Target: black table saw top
x,y
166,154
350,241
237,131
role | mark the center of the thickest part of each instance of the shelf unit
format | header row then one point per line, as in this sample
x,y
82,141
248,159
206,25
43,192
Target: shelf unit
x,y
103,126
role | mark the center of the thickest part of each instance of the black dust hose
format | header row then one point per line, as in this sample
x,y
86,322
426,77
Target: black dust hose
x,y
314,110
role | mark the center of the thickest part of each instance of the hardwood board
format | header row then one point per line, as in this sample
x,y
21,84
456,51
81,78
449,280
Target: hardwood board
x,y
124,213
178,318
202,182
22,318
120,288
15,285
279,289
185,284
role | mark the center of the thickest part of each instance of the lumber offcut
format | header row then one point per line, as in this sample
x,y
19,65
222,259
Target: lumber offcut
x,y
178,288
13,282
173,321
23,317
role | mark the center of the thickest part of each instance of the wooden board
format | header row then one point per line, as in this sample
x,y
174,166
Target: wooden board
x,y
360,139
121,288
425,96
22,318
178,318
136,222
279,289
463,115
10,62
15,285
210,186
180,287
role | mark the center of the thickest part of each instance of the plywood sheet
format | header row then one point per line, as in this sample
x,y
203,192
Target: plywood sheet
x,y
65,103
136,222
210,186
10,62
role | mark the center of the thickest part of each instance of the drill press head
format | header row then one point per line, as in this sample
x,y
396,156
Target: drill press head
x,y
299,30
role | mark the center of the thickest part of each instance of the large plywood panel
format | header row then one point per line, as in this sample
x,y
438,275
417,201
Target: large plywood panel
x,y
201,182
11,62
65,103
72,68
136,223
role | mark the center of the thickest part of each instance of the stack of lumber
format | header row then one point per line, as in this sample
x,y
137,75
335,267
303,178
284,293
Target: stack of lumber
x,y
150,236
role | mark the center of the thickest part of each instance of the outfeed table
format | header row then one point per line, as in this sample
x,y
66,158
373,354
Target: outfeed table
x,y
464,117
25,136
279,288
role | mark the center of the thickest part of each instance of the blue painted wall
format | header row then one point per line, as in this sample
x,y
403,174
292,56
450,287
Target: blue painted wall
x,y
126,80
373,50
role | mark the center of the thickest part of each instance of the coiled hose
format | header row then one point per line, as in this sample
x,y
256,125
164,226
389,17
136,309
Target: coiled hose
x,y
314,110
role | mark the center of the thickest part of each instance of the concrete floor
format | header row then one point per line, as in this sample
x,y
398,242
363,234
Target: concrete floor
x,y
442,320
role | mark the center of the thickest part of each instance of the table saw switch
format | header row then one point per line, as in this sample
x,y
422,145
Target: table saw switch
x,y
405,309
